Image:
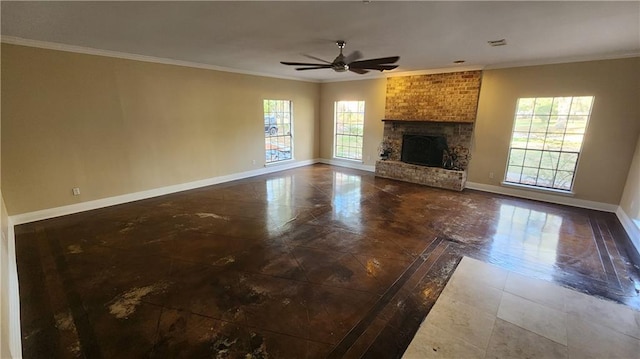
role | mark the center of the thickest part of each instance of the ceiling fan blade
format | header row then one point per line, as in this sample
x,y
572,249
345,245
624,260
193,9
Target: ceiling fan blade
x,y
358,71
374,62
313,67
300,63
349,62
352,57
382,67
316,58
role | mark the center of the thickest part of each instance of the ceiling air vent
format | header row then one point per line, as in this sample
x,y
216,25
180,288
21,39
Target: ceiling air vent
x,y
495,43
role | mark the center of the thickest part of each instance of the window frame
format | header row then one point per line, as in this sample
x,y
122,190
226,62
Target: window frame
x,y
361,105
547,136
278,114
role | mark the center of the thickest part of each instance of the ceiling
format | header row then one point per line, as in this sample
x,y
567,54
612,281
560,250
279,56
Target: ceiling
x,y
254,37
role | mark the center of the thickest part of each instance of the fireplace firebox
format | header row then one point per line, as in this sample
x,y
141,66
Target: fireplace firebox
x,y
423,150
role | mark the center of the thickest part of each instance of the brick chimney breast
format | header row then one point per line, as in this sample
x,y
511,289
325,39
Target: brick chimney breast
x,y
437,105
448,97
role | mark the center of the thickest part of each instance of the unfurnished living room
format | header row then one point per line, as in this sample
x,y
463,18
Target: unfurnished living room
x,y
320,179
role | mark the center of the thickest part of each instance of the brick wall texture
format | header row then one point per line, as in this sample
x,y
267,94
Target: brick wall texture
x,y
449,97
430,176
458,136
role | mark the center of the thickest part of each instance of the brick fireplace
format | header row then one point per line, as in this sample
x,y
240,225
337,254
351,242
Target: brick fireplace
x,y
438,112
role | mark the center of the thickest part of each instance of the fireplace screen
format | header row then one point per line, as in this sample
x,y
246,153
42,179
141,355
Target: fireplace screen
x,y
423,150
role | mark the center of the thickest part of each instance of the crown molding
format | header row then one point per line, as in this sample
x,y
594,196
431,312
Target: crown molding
x,y
505,65
441,70
12,40
563,60
166,61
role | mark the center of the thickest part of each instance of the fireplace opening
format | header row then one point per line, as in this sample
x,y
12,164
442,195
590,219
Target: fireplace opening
x,y
423,150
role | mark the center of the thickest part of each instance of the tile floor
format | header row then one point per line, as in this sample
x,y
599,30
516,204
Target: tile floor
x,y
315,262
489,312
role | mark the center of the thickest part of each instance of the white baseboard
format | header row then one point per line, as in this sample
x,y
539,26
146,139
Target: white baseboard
x,y
349,164
136,196
544,197
630,227
627,223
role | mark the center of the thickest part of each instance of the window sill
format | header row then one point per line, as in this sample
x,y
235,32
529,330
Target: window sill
x,y
538,189
279,162
348,160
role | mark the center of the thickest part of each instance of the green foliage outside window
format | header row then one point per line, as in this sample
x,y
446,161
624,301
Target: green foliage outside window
x,y
546,141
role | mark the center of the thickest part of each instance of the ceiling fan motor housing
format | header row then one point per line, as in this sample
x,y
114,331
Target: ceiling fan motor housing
x,y
338,64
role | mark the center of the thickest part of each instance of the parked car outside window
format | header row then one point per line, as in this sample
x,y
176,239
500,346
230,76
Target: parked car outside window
x,y
270,125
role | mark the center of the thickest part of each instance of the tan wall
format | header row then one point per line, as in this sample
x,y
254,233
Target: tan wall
x,y
631,196
370,91
113,126
611,134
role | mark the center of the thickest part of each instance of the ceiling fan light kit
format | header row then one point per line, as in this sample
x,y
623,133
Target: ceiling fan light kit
x,y
350,62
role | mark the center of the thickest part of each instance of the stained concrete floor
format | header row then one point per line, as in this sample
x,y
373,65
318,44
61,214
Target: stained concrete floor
x,y
314,262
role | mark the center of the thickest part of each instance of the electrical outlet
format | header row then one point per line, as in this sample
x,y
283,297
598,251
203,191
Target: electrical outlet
x,y
76,191
253,162
491,175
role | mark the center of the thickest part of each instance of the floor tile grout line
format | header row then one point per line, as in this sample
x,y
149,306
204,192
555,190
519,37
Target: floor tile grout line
x,y
604,254
88,342
382,302
604,231
48,316
168,307
456,334
304,272
197,263
609,233
496,318
623,243
365,268
563,311
157,334
439,255
617,257
273,276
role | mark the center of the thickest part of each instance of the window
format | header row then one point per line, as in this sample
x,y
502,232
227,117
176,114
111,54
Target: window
x,y
349,128
277,130
546,141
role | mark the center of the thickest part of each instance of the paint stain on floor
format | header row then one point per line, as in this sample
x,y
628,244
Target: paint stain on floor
x,y
224,261
69,338
126,303
74,249
213,215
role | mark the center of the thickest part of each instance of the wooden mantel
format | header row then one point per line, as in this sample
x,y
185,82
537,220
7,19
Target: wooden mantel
x,y
422,121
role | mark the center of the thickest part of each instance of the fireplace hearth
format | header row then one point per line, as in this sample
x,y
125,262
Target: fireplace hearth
x,y
430,153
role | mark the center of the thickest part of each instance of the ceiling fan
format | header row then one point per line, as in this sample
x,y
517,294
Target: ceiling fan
x,y
348,63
